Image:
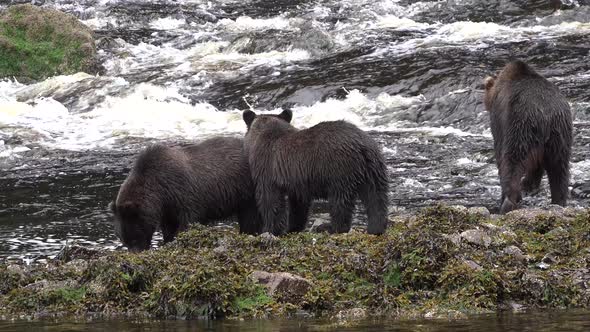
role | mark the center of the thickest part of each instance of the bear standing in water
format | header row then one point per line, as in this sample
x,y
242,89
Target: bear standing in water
x,y
171,187
531,123
331,160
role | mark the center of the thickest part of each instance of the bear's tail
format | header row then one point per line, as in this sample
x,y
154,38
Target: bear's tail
x,y
375,191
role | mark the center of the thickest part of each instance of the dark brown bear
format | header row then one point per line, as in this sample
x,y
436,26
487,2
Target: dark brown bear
x,y
531,123
172,187
331,160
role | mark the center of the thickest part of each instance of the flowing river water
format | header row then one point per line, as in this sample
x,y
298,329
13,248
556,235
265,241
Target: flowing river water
x,y
409,72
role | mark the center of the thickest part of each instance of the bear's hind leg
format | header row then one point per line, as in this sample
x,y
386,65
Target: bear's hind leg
x,y
249,219
375,202
557,167
298,214
341,209
531,183
510,177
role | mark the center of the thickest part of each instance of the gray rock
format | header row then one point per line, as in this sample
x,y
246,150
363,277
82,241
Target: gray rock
x,y
515,252
472,265
459,208
479,211
285,286
477,237
354,313
454,238
550,259
321,219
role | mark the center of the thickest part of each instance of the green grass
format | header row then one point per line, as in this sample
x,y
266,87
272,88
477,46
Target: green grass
x,y
36,46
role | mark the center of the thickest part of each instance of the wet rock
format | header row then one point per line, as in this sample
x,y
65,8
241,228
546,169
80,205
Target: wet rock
x,y
473,265
550,259
351,314
454,238
513,306
534,220
442,314
321,219
459,208
581,191
479,211
45,285
533,284
515,252
224,243
286,286
110,44
72,252
268,239
477,237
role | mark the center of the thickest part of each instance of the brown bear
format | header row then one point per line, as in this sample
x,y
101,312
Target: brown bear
x,y
332,160
531,125
171,187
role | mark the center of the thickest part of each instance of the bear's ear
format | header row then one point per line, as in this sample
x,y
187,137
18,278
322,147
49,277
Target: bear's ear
x,y
489,82
248,117
286,115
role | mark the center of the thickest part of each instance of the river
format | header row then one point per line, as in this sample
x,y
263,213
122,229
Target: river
x,y
409,72
556,321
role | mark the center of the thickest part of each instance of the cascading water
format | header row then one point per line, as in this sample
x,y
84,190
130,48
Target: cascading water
x,y
410,72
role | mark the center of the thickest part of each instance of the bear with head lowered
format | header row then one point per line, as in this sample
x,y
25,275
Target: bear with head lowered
x,y
531,124
333,160
170,187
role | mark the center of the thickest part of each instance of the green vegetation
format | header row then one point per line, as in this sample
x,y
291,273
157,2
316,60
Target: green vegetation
x,y
36,43
421,265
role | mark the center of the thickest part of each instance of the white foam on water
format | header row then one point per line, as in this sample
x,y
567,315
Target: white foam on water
x,y
401,23
161,112
167,23
246,23
471,34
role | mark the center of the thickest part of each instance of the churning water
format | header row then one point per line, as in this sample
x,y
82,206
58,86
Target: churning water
x,y
410,72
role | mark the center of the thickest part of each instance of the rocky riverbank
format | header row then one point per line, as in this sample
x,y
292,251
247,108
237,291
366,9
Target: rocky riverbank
x,y
442,262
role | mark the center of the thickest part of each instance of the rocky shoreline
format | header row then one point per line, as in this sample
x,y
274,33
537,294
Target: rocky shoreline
x,y
441,262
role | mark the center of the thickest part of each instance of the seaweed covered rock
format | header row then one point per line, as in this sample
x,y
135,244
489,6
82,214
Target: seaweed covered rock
x,y
287,286
421,266
36,43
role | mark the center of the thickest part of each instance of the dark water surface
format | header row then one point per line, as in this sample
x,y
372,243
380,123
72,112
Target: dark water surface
x,y
409,72
538,322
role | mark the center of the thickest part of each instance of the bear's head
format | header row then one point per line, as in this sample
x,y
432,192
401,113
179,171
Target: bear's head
x,y
131,226
254,120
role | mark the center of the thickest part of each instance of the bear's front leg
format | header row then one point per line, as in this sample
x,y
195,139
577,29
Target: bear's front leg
x,y
298,214
271,204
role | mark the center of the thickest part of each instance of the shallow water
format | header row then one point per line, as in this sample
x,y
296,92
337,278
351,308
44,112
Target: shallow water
x,y
540,321
410,72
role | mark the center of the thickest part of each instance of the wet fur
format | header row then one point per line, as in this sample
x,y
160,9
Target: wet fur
x,y
531,123
331,160
172,187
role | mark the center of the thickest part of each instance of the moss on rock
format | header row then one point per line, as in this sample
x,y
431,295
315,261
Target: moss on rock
x,y
420,266
36,43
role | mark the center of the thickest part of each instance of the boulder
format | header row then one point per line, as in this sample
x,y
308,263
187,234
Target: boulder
x,y
477,237
36,43
286,287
